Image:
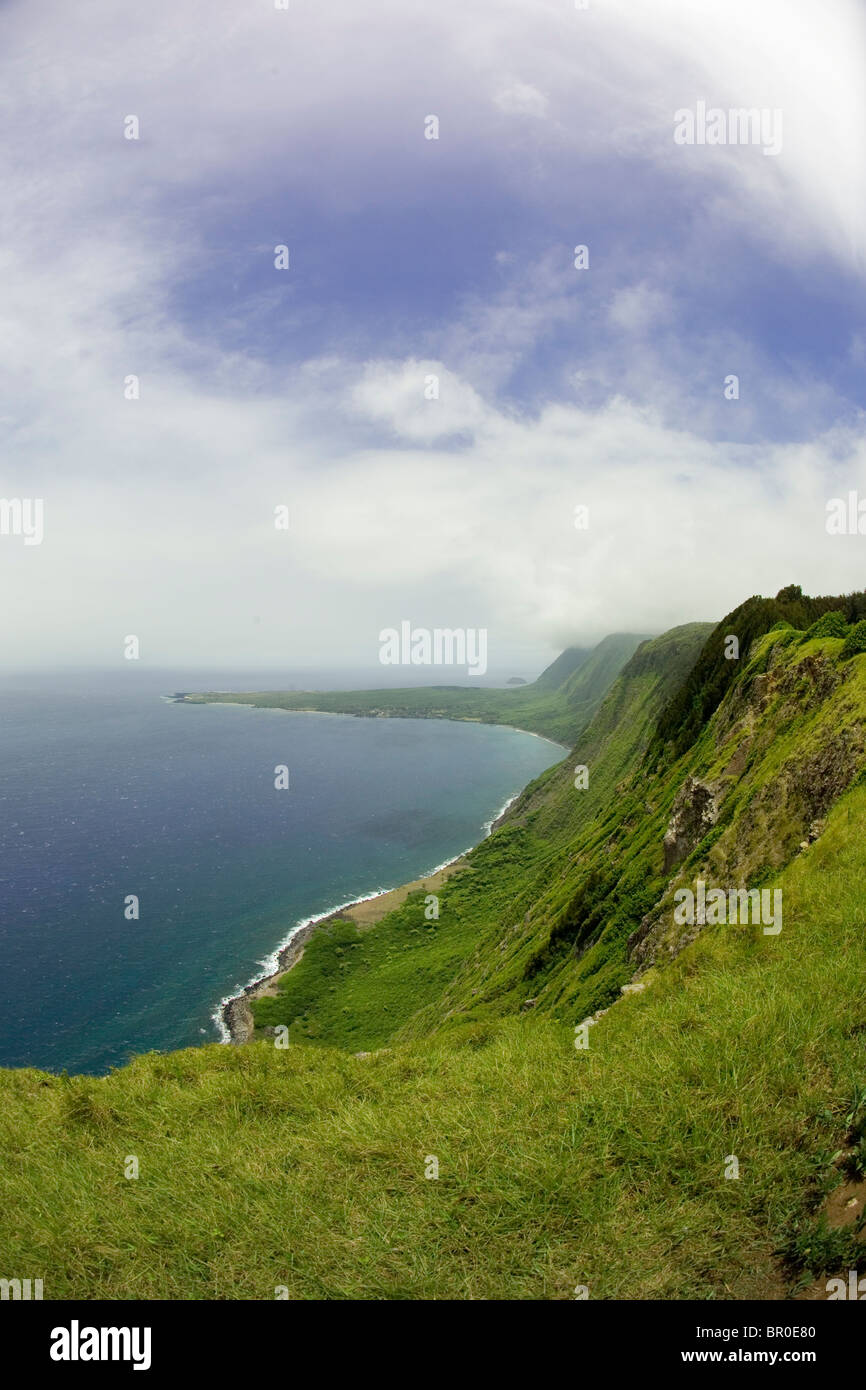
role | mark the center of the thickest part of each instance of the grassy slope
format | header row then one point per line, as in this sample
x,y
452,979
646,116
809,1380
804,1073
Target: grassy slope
x,y
698,697
556,711
564,666
785,742
305,1168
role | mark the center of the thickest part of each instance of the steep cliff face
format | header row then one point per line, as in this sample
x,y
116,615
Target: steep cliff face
x,y
714,674
785,743
753,788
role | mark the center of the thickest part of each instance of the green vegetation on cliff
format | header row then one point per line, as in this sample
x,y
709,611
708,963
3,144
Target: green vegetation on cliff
x,y
701,693
313,1169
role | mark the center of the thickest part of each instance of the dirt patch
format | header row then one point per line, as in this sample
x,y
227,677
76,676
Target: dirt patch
x,y
844,1207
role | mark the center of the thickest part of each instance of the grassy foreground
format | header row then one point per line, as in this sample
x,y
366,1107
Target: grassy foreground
x,y
304,1168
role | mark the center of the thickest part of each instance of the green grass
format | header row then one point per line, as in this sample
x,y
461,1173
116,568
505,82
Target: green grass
x,y
356,989
353,989
305,1168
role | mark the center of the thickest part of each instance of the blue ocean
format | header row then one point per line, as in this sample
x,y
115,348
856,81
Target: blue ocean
x,y
108,790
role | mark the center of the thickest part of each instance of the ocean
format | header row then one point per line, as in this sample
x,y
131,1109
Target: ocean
x,y
109,791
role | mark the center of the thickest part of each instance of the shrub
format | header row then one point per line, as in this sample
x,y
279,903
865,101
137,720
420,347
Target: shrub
x,y
855,642
829,625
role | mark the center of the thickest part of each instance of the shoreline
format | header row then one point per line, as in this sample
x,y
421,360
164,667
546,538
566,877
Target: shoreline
x,y
234,1016
355,714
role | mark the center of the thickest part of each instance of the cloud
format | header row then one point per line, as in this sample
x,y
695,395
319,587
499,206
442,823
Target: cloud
x,y
154,258
420,401
522,99
636,308
680,528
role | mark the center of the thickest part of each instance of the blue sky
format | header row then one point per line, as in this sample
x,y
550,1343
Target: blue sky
x,y
412,257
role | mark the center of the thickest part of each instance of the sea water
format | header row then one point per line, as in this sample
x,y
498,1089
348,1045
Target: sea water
x,y
110,792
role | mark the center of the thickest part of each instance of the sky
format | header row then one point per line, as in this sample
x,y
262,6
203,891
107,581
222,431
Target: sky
x,y
432,386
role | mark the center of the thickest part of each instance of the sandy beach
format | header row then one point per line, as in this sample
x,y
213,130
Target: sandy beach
x,y
237,1014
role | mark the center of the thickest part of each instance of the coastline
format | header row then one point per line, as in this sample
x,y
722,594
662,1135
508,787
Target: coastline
x,y
363,714
234,1016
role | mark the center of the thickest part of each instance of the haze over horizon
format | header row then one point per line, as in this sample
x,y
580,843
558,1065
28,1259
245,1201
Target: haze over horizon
x,y
413,258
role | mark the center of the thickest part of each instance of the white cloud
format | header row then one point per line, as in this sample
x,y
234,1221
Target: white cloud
x,y
188,558
636,308
420,401
158,512
522,99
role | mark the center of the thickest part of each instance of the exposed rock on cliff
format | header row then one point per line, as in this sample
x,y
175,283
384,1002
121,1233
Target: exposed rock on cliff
x,y
695,812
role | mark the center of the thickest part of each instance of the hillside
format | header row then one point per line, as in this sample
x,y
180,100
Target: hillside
x,y
565,665
605,1165
355,989
558,705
